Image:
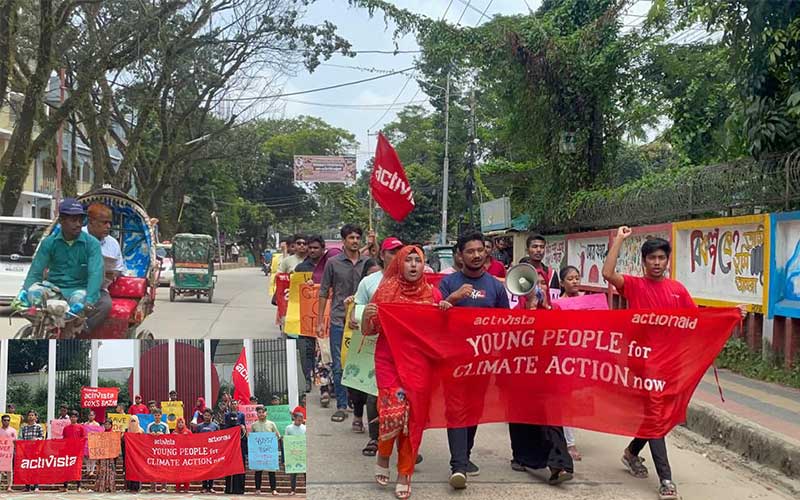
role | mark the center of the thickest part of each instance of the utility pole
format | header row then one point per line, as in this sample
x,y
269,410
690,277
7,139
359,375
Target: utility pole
x,y
446,170
471,161
215,214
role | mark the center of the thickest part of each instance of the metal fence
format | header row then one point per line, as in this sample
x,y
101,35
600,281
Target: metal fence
x,y
73,371
740,187
269,358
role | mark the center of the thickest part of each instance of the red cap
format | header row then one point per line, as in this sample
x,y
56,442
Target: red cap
x,y
299,409
391,243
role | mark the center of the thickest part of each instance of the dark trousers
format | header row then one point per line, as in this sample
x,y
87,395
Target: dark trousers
x,y
658,449
273,482
308,351
101,309
539,446
460,441
208,485
66,485
360,400
294,481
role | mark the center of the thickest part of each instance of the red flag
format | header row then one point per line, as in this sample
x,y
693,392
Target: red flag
x,y
241,380
629,372
389,184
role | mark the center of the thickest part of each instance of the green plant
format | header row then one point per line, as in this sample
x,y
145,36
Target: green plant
x,y
737,357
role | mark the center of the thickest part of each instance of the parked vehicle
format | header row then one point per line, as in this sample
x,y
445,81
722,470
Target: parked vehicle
x,y
164,254
193,266
19,238
132,295
439,257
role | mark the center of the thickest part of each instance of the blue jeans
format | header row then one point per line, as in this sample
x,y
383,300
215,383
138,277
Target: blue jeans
x,y
340,391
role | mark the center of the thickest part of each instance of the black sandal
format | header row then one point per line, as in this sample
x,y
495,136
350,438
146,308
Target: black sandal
x,y
339,416
558,476
371,449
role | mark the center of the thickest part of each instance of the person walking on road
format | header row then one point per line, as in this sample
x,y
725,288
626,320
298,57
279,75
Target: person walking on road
x,y
403,282
341,275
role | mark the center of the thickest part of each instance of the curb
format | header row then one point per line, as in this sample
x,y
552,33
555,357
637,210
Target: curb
x,y
230,265
750,440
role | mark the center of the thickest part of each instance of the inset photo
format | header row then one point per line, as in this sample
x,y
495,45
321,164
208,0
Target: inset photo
x,y
146,417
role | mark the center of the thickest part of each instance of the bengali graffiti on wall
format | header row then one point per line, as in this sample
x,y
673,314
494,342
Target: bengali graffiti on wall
x,y
785,265
555,253
630,255
587,253
722,259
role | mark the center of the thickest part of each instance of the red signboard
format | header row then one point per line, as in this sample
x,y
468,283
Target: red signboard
x,y
99,397
183,458
48,461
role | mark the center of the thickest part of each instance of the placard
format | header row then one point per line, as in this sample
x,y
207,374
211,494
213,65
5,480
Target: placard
x,y
250,415
347,334
120,421
146,419
104,445
6,454
262,451
586,302
99,397
292,325
359,372
172,411
280,415
294,454
57,428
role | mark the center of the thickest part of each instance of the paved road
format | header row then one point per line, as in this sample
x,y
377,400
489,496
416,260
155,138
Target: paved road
x,y
337,469
241,309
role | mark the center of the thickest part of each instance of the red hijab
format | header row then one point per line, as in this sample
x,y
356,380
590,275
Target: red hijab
x,y
185,430
395,287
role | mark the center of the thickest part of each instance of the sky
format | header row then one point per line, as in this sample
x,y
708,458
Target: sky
x,y
365,33
115,354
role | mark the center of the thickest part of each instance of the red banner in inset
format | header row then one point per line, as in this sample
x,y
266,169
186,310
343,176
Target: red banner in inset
x,y
48,461
99,397
183,458
282,281
623,372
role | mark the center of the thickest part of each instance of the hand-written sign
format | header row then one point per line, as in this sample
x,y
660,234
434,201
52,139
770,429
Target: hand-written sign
x,y
172,410
280,415
119,420
57,428
294,450
623,372
309,311
282,282
292,325
103,445
99,397
359,372
348,333
6,453
587,302
262,451
250,415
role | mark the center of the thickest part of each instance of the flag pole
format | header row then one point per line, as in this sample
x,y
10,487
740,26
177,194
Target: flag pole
x,y
369,187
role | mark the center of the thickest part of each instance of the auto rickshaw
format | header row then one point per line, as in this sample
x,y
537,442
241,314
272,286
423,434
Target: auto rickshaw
x,y
193,266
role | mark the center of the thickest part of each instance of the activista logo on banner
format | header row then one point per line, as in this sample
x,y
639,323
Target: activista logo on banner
x,y
183,457
99,397
48,461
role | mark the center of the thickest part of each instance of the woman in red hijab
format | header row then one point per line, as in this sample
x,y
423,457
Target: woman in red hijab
x,y
403,281
199,408
181,428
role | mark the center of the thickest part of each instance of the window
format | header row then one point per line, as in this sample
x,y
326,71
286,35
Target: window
x,y
86,172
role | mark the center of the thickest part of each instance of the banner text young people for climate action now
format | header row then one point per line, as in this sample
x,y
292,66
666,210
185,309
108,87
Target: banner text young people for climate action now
x,y
183,457
623,372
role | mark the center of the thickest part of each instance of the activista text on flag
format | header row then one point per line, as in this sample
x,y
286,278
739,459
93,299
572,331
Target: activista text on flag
x,y
389,184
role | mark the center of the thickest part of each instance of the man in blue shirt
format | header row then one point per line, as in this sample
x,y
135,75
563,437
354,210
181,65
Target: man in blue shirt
x,y
74,261
472,286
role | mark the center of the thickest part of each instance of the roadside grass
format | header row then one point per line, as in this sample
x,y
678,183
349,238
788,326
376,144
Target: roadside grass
x,y
737,357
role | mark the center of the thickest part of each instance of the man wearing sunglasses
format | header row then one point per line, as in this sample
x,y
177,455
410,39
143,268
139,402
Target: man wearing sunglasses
x,y
289,262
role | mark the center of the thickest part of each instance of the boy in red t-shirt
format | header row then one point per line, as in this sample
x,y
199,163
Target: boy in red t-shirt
x,y
654,290
74,430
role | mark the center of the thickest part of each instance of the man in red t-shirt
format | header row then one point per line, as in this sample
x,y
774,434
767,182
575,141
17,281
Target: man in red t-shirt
x,y
138,407
653,290
74,430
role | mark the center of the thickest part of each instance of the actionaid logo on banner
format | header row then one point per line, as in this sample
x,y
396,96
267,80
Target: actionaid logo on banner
x,y
218,439
48,462
394,183
241,370
667,320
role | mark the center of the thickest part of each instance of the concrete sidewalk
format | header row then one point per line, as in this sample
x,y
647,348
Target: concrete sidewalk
x,y
759,420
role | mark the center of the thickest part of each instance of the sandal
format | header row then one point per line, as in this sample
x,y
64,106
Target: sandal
x,y
339,416
635,465
325,400
371,449
381,475
559,476
358,426
574,453
667,490
403,491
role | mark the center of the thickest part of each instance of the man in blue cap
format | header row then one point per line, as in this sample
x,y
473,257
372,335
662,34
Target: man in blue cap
x,y
74,261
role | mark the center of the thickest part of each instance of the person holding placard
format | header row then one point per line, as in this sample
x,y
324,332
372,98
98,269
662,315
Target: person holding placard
x,y
264,425
31,431
9,432
91,465
76,431
134,428
296,428
106,481
158,427
208,425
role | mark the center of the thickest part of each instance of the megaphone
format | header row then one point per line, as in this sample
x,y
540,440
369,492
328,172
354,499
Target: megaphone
x,y
521,279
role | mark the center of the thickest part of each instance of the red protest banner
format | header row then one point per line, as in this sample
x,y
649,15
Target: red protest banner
x,y
48,461
99,397
623,372
180,458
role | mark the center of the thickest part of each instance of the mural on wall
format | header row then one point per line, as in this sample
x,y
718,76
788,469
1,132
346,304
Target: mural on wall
x,y
785,265
630,255
722,261
588,255
554,254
